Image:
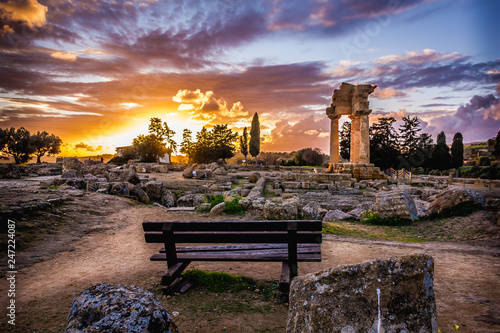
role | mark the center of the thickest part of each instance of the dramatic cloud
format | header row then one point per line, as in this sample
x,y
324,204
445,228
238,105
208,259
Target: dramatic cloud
x,y
204,107
416,69
88,70
476,120
28,11
306,133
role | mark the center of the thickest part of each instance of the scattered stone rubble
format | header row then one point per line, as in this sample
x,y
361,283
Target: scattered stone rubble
x,y
304,194
118,308
382,295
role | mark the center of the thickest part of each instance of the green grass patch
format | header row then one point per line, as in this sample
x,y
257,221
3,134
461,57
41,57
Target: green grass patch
x,y
371,217
219,281
341,230
268,193
271,291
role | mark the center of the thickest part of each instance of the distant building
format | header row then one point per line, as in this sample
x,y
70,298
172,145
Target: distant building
x,y
120,150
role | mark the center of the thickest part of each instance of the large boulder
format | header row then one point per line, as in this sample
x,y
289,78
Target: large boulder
x,y
218,209
129,175
108,308
254,177
281,209
72,163
188,173
220,171
139,194
312,211
167,198
190,200
396,204
9,171
362,208
120,189
454,197
336,215
160,168
381,295
70,173
154,189
422,208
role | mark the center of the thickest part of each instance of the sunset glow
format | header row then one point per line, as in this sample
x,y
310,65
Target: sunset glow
x,y
94,73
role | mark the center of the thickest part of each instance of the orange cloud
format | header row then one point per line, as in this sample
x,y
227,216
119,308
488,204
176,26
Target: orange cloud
x,y
64,56
29,11
205,106
387,93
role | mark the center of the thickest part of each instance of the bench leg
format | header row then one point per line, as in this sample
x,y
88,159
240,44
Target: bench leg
x,y
174,272
284,283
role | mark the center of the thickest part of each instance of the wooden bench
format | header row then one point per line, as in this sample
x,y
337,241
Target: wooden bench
x,y
283,241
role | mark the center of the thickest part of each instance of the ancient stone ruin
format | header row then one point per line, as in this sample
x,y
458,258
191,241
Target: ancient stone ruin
x,y
352,100
382,295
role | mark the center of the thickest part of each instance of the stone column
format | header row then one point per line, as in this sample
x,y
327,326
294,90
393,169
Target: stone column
x,y
354,139
334,139
364,136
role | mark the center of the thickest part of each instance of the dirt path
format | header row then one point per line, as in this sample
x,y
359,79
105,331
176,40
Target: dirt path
x,y
466,276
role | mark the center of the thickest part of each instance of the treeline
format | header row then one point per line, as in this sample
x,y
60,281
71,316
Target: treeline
x,y
216,144
22,145
406,148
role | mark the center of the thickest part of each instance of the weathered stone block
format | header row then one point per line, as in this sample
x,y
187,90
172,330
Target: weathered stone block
x,y
190,200
382,295
396,204
154,189
336,215
72,163
292,185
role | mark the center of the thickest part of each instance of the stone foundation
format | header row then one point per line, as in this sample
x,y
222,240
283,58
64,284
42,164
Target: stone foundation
x,y
358,171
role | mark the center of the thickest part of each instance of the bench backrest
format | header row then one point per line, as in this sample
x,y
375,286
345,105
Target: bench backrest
x,y
275,231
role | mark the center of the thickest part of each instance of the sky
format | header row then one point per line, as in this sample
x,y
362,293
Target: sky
x,y
95,72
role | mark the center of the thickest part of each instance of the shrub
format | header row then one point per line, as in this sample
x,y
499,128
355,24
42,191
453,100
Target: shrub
x,y
233,207
484,161
215,199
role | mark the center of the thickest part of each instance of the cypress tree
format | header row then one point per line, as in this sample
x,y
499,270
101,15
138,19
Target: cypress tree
x,y
441,155
457,151
255,137
244,144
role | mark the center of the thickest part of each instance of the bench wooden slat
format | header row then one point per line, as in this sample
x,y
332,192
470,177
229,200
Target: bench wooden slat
x,y
280,225
206,256
234,237
310,249
237,247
